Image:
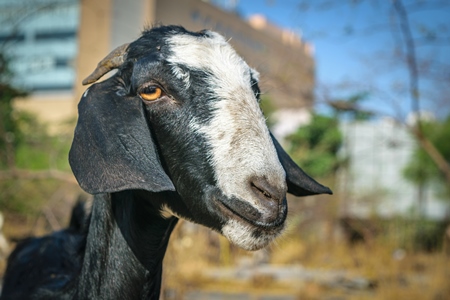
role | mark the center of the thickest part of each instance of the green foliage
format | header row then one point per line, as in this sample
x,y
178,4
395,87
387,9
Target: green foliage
x,y
24,196
421,169
315,146
39,150
25,144
24,141
10,135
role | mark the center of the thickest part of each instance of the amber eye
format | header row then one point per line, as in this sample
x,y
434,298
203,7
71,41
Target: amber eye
x,y
150,93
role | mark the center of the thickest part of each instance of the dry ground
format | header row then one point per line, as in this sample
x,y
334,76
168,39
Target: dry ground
x,y
198,260
321,269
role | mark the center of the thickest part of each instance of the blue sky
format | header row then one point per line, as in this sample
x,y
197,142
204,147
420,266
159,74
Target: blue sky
x,y
355,43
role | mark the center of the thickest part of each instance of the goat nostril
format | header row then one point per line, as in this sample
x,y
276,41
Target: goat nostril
x,y
270,200
260,190
266,191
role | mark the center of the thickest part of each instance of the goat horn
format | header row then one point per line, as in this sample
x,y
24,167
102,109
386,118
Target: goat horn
x,y
114,60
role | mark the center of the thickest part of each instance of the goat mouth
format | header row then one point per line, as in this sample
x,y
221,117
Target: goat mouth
x,y
252,216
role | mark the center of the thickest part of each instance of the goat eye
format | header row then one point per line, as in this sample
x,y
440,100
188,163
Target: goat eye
x,y
150,93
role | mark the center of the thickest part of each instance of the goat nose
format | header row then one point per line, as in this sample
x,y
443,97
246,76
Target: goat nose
x,y
270,197
262,187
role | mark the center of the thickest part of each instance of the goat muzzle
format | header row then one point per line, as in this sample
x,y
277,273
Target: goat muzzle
x,y
268,209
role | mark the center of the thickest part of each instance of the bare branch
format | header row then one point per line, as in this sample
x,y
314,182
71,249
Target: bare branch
x,y
410,56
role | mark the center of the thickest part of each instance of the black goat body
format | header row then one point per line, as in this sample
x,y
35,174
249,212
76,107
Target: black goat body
x,y
59,259
177,132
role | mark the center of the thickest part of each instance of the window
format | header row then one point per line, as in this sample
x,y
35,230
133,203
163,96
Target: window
x,y
62,62
55,35
18,37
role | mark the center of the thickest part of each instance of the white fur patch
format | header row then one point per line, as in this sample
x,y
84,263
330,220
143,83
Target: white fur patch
x,y
242,236
241,147
194,125
181,74
255,74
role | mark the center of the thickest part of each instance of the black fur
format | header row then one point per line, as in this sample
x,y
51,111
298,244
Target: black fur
x,y
137,158
43,264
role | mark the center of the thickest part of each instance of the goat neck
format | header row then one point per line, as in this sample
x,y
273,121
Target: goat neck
x,y
125,248
141,224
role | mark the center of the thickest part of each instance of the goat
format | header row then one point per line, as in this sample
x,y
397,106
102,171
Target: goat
x,y
176,132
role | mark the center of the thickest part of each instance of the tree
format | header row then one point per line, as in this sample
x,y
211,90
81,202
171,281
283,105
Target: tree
x,y
24,142
416,53
10,134
421,169
315,146
351,107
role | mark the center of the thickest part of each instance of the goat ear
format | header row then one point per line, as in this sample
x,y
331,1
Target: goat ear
x,y
299,183
113,149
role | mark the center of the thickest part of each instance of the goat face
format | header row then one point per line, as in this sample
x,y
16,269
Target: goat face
x,y
182,114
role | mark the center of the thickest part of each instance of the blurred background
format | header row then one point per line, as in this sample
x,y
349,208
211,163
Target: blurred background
x,y
358,91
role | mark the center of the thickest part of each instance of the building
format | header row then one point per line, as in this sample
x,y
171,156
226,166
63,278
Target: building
x,y
373,183
41,39
69,37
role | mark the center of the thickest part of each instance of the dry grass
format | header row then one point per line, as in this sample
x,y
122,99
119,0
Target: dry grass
x,y
43,206
390,272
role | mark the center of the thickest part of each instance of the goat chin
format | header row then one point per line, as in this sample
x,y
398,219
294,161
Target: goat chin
x,y
177,132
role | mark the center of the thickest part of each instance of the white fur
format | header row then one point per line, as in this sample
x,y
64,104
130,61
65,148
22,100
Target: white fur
x,y
180,74
237,115
241,235
194,125
255,74
240,141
